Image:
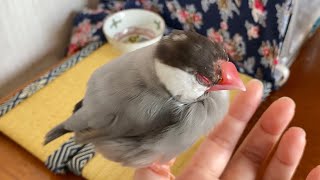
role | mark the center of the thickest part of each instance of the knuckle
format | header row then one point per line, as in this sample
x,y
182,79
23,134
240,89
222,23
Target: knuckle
x,y
254,155
221,141
205,170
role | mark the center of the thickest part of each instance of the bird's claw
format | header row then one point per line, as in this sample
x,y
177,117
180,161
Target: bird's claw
x,y
163,169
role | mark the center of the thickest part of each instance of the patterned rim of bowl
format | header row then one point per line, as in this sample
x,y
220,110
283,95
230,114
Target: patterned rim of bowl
x,y
147,33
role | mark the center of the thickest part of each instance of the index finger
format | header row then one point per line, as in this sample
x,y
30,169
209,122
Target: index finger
x,y
214,153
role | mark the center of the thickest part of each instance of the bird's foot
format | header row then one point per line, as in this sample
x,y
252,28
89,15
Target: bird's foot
x,y
163,169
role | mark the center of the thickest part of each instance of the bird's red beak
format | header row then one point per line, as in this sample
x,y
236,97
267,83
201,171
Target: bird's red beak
x,y
230,78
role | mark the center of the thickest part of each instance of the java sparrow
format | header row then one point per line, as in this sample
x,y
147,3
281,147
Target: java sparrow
x,y
146,107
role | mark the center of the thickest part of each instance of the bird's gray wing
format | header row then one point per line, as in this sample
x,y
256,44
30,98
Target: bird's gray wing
x,y
196,120
123,98
136,118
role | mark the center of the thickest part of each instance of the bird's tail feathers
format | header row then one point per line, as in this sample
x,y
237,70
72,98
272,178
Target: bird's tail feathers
x,y
55,133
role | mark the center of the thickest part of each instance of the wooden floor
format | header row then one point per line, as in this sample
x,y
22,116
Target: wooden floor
x,y
18,164
303,86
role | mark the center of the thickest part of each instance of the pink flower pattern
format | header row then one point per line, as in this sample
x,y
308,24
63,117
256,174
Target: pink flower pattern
x,y
235,46
83,34
258,11
224,25
269,52
154,5
186,16
227,8
252,30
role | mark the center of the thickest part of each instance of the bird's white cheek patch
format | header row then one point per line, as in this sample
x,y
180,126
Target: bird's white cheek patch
x,y
178,82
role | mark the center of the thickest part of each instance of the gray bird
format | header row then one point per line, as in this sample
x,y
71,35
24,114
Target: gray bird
x,y
148,106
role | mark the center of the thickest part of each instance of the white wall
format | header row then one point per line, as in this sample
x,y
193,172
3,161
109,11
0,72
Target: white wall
x,y
33,35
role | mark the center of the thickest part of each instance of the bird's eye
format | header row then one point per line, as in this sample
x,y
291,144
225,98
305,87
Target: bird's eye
x,y
203,80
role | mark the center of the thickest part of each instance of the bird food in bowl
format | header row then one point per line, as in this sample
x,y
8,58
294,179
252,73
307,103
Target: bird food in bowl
x,y
132,29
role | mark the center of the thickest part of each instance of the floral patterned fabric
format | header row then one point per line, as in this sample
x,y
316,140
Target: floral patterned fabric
x,y
250,30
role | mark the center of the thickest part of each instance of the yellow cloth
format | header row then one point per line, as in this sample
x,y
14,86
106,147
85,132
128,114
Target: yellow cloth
x,y
33,118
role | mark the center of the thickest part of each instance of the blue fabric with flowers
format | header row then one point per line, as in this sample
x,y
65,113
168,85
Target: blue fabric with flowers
x,y
250,30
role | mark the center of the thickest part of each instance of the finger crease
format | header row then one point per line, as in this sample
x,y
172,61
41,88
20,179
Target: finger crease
x,y
232,117
253,156
244,117
209,171
221,141
283,162
267,131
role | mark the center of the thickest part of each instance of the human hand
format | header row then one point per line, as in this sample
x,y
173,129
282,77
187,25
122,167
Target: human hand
x,y
215,159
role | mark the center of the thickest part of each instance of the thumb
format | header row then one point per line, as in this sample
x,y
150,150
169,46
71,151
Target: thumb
x,y
148,174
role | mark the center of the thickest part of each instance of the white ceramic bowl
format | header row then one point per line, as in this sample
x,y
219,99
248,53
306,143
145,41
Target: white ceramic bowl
x,y
132,29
